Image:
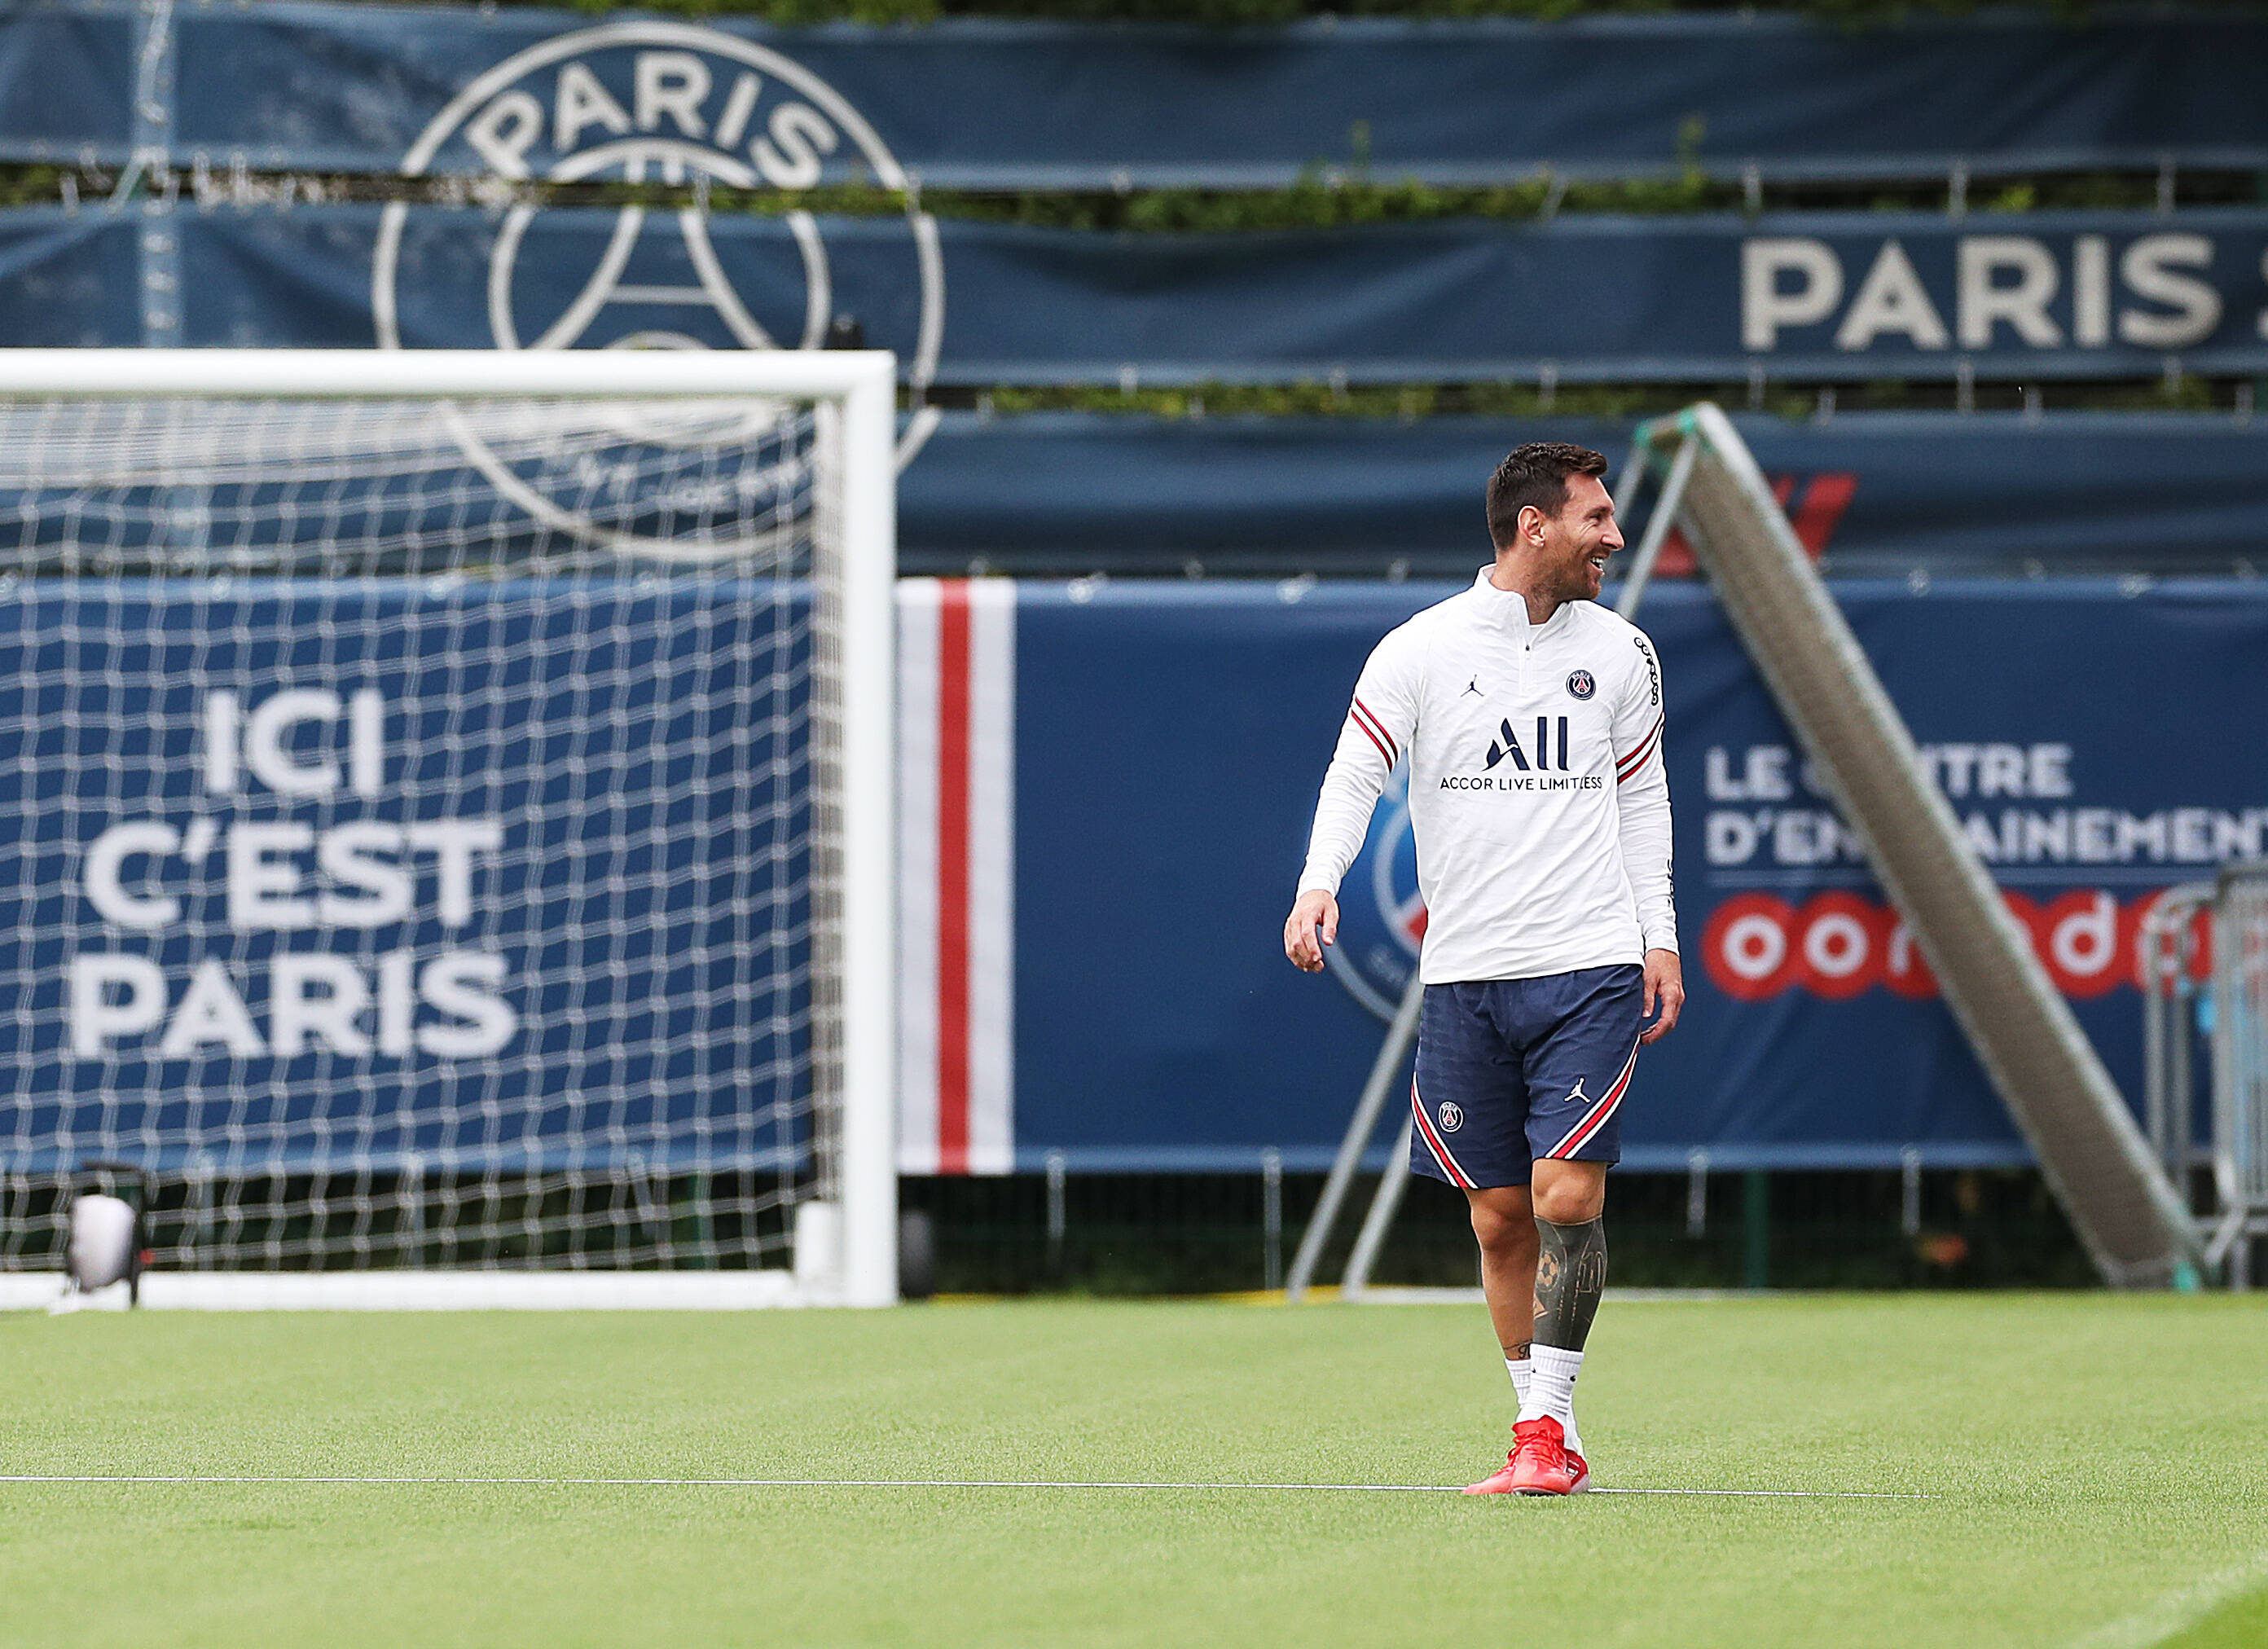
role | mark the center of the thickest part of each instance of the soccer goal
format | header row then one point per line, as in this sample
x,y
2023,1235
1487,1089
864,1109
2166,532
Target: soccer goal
x,y
448,856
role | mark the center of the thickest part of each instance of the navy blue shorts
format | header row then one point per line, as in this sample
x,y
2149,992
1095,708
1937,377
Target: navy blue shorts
x,y
1512,1069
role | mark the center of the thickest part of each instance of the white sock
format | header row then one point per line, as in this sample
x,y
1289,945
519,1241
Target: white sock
x,y
1520,1368
1551,1387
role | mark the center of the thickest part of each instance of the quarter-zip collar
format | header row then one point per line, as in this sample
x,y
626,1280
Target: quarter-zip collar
x,y
1507,610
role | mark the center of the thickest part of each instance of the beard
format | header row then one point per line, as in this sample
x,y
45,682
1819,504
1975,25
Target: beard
x,y
1576,584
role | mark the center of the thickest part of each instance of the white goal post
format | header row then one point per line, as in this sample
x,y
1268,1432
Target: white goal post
x,y
449,859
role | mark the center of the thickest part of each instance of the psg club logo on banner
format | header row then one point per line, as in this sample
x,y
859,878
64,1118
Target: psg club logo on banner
x,y
1381,917
680,109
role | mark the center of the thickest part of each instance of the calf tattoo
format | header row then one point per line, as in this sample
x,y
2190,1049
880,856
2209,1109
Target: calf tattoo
x,y
1571,1274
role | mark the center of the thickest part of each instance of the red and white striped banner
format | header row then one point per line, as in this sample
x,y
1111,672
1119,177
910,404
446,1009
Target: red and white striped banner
x,y
956,875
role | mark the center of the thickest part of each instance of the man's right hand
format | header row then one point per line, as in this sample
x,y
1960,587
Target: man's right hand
x,y
1312,910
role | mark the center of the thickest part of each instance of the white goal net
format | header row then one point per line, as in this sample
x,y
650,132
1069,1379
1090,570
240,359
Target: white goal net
x,y
446,799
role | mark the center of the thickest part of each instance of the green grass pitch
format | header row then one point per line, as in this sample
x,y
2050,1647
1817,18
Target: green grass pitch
x,y
2097,1469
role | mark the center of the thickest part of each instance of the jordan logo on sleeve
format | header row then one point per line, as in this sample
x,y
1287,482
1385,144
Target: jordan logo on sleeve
x,y
1576,1095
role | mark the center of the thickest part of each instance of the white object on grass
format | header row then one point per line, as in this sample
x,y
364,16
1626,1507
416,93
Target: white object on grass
x,y
101,1240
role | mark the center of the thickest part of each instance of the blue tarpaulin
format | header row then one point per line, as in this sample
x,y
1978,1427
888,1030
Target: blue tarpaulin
x,y
1812,298
1170,739
1871,493
614,969
971,104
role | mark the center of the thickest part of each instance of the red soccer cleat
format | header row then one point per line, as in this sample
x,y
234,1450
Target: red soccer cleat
x,y
1498,1482
1573,1473
1539,1459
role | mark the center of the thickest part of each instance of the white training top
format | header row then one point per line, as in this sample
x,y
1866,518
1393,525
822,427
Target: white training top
x,y
1537,793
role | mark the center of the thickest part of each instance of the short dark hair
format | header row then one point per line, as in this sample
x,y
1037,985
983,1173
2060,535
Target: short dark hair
x,y
1535,473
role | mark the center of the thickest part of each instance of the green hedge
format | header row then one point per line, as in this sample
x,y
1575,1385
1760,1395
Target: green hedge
x,y
1331,196
1409,403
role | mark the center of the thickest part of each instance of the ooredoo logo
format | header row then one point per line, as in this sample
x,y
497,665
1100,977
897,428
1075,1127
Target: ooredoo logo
x,y
1840,944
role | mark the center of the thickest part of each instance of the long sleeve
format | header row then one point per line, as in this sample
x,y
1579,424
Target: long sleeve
x,y
1642,795
1379,724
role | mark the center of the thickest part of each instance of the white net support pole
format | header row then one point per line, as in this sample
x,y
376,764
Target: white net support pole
x,y
870,1182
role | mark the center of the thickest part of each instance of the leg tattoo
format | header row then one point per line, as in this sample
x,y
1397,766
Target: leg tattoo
x,y
1569,1276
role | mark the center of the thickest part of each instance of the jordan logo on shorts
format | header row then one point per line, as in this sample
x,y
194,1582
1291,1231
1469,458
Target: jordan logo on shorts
x,y
1576,1093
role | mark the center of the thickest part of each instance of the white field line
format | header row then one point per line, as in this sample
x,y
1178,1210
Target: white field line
x,y
890,1483
2179,1610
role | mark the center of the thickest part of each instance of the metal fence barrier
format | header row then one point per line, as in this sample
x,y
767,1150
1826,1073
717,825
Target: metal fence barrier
x,y
2203,963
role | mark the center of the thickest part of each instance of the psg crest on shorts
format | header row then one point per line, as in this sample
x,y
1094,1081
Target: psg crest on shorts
x,y
1381,917
1580,685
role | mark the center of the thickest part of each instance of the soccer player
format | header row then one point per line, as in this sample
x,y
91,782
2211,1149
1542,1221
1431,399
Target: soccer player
x,y
1531,718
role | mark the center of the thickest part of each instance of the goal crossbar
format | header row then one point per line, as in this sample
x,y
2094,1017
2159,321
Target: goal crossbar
x,y
316,374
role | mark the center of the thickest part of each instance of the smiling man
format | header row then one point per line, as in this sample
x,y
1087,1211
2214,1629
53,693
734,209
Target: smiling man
x,y
1531,718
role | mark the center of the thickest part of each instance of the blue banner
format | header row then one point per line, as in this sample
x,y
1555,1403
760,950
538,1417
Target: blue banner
x,y
278,847
1816,298
1170,739
332,875
67,84
1871,494
68,280
997,105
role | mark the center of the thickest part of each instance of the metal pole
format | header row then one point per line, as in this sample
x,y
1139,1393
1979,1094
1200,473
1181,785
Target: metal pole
x,y
2155,1086
1910,1191
1657,528
1055,1169
1271,1217
2166,950
1381,1218
1756,1208
1383,1071
2181,1078
1632,482
1697,1193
